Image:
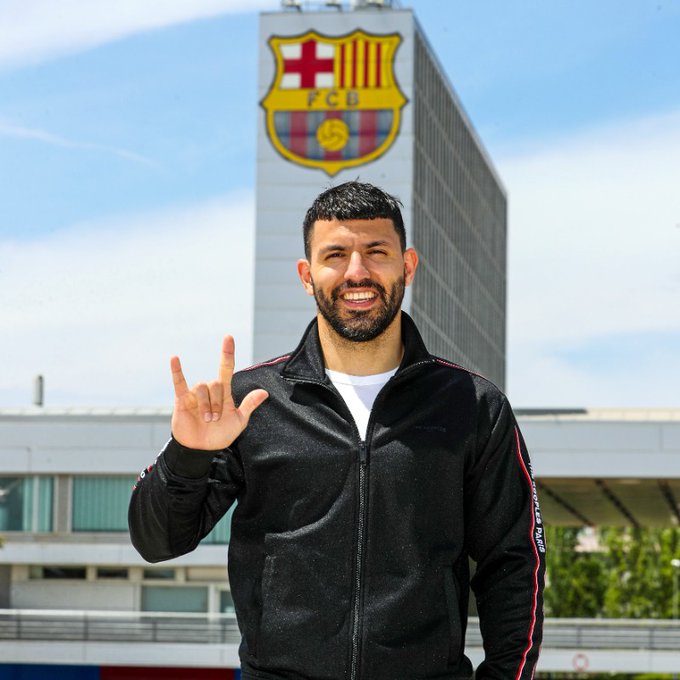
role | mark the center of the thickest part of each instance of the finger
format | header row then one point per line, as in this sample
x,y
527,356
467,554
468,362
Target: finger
x,y
181,387
250,402
216,392
227,361
203,400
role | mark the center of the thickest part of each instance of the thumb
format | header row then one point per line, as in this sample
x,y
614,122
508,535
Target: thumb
x,y
250,402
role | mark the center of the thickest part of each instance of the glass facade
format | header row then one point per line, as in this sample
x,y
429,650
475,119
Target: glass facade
x,y
98,504
226,602
58,572
26,504
459,230
175,599
101,503
222,530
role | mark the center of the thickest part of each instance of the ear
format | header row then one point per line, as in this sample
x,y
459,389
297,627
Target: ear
x,y
410,265
305,274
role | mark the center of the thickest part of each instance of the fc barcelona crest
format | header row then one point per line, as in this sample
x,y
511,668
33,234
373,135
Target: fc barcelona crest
x,y
334,102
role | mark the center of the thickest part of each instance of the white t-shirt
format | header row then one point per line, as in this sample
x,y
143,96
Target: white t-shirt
x,y
359,393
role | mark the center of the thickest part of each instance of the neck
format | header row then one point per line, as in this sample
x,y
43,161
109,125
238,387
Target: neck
x,y
379,355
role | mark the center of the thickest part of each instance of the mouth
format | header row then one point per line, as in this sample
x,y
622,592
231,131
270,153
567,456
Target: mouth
x,y
359,296
354,297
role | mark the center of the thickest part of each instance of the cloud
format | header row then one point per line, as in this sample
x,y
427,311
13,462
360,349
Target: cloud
x,y
8,129
98,309
593,285
593,259
35,30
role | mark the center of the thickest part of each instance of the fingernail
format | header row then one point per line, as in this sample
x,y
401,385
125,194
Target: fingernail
x,y
207,417
215,416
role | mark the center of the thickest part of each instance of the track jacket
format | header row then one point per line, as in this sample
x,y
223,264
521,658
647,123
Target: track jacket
x,y
348,559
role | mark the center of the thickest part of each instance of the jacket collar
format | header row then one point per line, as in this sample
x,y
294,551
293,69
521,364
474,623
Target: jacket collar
x,y
306,362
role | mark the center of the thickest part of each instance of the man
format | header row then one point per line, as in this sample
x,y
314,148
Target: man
x,y
366,472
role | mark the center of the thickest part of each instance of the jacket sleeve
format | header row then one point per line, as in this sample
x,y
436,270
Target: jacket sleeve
x,y
179,499
506,538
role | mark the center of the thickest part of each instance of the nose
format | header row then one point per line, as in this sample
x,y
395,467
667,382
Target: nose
x,y
356,271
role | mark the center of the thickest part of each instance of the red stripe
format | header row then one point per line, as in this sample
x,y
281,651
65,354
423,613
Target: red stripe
x,y
150,673
538,559
368,124
342,65
459,367
298,133
378,64
354,63
272,362
367,64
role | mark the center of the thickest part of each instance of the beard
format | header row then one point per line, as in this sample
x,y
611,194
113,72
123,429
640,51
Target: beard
x,y
361,325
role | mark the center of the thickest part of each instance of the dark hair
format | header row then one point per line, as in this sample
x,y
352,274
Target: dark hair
x,y
354,201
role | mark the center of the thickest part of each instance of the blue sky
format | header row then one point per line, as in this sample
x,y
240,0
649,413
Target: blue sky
x,y
127,172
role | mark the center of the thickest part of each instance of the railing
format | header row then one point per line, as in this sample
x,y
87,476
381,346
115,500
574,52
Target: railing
x,y
629,634
61,626
220,629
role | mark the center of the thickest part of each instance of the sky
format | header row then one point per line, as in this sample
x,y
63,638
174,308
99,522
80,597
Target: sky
x,y
127,179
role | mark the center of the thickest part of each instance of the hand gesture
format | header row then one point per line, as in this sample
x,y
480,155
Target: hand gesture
x,y
205,416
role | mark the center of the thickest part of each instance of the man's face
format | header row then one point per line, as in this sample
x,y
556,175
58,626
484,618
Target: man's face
x,y
357,274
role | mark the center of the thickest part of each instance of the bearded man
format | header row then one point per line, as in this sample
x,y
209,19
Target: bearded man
x,y
367,473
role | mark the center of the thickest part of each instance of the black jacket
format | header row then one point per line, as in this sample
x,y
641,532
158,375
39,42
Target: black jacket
x,y
349,559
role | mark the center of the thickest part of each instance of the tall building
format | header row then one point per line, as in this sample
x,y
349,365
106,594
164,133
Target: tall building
x,y
345,92
355,91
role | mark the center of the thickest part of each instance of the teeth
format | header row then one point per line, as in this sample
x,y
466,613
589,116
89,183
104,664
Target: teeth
x,y
358,297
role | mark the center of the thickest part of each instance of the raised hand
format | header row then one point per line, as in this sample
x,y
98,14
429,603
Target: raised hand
x,y
205,416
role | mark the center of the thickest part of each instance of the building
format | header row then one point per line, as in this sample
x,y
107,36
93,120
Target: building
x,y
76,600
357,92
65,486
75,594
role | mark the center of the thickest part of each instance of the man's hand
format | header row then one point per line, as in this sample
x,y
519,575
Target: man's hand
x,y
205,416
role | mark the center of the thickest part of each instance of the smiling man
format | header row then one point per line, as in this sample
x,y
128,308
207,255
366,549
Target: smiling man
x,y
366,471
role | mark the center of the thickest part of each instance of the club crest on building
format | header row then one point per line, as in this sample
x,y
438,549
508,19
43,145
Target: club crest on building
x,y
334,102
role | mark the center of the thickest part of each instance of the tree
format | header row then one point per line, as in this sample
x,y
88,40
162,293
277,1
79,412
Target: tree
x,y
629,575
576,580
640,573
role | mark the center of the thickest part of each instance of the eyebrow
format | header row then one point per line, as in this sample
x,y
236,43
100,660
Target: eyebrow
x,y
329,248
338,246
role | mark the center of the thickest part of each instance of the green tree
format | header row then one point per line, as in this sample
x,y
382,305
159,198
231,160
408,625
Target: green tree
x,y
639,572
576,580
629,575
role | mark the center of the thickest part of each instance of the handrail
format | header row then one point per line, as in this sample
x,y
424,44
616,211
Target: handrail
x,y
114,626
170,627
614,634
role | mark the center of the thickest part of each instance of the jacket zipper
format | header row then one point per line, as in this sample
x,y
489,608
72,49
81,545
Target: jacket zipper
x,y
356,607
363,469
358,581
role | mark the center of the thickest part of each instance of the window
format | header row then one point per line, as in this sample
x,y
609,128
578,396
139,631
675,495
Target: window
x,y
159,574
221,532
226,602
112,572
175,599
101,503
58,572
26,504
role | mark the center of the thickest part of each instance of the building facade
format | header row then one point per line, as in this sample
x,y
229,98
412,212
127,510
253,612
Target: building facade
x,y
78,603
350,92
358,93
74,593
